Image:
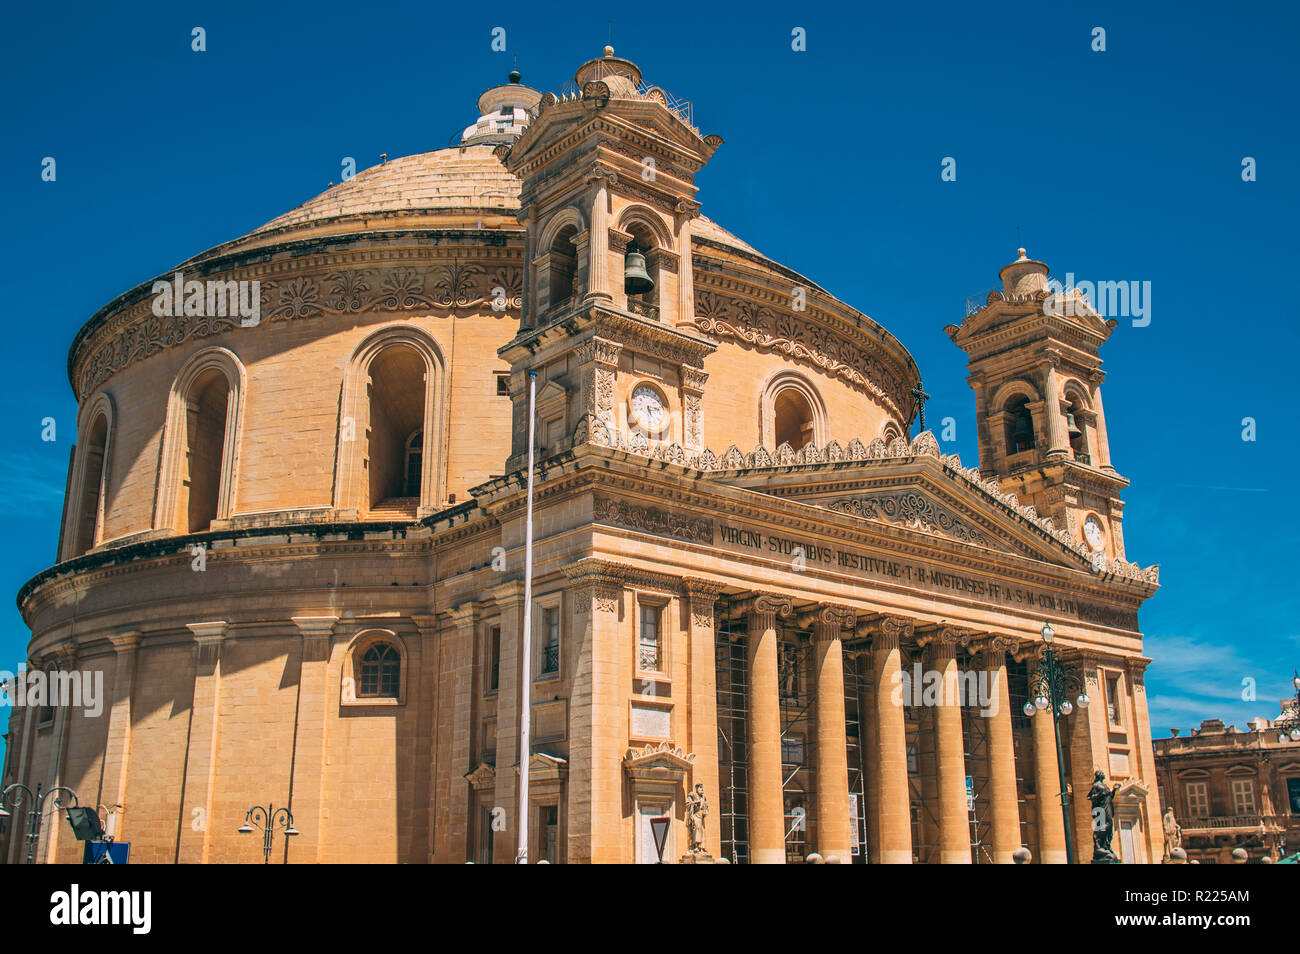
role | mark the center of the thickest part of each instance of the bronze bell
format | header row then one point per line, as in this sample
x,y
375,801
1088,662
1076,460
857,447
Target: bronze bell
x,y
1072,426
636,280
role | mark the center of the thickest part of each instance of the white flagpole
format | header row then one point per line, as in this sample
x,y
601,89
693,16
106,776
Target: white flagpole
x,y
526,642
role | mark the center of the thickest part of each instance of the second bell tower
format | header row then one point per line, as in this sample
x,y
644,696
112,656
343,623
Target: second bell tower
x,y
607,173
1034,357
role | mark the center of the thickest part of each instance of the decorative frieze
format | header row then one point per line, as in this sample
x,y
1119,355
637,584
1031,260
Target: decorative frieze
x,y
664,523
801,338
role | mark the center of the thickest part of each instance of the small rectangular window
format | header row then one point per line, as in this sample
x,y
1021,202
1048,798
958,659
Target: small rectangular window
x,y
494,659
550,641
649,656
1243,796
1113,710
503,383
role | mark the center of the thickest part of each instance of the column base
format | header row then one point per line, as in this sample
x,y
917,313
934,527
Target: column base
x,y
1055,858
767,856
954,858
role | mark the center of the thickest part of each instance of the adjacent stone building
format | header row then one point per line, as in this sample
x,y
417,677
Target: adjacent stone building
x,y
1233,789
294,546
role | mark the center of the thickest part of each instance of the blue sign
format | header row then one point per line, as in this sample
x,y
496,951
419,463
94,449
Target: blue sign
x,y
107,853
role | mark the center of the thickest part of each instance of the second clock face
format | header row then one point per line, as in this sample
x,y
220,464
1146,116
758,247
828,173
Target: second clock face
x,y
648,406
1092,532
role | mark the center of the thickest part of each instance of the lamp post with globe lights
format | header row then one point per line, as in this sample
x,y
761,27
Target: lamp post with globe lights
x,y
1051,687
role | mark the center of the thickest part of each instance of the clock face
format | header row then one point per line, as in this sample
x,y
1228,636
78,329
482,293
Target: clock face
x,y
648,407
1092,532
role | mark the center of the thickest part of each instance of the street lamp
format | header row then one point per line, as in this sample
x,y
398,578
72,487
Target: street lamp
x,y
37,811
1051,688
266,821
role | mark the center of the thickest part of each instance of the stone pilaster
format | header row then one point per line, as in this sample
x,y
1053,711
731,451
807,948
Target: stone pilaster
x,y
832,764
117,745
514,687
64,660
702,693
595,706
454,733
766,795
305,796
1005,807
201,754
893,806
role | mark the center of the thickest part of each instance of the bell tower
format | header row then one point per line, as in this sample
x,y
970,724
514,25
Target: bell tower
x,y
607,171
1034,357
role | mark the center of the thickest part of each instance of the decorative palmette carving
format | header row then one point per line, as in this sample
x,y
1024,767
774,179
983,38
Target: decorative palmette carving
x,y
768,330
911,509
296,298
652,520
453,285
401,289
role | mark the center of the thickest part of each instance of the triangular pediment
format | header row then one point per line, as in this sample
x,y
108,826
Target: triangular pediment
x,y
914,488
918,496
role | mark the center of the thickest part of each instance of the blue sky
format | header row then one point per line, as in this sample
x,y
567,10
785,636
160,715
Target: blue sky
x,y
1115,165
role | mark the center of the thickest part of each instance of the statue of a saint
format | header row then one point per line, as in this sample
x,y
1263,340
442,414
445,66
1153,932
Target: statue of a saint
x,y
1173,831
1103,819
697,809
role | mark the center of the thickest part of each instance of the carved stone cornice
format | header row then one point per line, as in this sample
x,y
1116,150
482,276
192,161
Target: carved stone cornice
x,y
669,523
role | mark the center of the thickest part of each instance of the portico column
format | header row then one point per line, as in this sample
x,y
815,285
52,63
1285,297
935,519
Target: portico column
x,y
832,751
893,807
1001,752
950,752
766,798
1047,786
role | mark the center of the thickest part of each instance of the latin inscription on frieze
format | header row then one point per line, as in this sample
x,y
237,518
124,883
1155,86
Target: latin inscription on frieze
x,y
1010,593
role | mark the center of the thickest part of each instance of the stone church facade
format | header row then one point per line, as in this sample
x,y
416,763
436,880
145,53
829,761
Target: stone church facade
x,y
294,547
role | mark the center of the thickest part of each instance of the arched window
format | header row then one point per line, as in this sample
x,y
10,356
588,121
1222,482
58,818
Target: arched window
x,y
205,428
200,443
794,419
1077,432
396,419
89,512
388,441
1019,425
381,672
792,413
643,300
563,268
